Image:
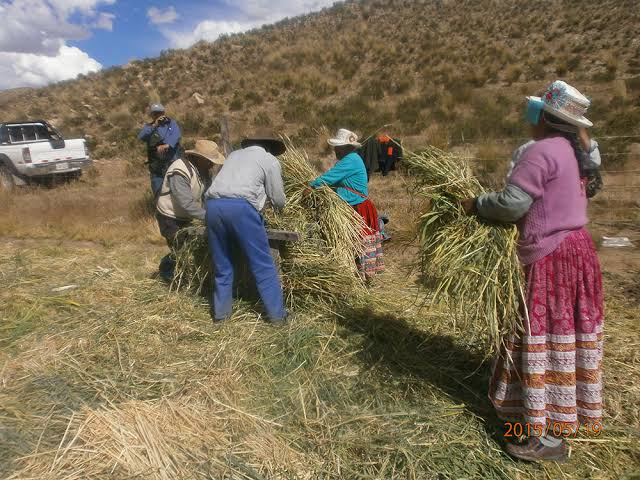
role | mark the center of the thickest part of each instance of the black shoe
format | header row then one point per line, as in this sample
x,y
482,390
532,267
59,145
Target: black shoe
x,y
277,322
217,321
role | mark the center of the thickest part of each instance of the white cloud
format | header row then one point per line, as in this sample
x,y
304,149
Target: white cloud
x,y
105,21
28,69
159,17
87,7
253,13
207,30
33,36
32,26
278,9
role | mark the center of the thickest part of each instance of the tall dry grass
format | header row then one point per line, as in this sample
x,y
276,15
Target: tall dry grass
x,y
110,208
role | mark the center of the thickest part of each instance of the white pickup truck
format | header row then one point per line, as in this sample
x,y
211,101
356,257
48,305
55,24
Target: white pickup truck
x,y
35,151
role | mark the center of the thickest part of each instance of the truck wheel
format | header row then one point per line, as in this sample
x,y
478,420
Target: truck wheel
x,y
6,179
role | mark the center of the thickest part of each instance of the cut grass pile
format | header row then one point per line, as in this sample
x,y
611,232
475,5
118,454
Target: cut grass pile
x,y
319,269
119,378
472,262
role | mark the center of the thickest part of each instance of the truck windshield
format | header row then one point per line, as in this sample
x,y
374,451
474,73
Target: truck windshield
x,y
15,134
29,133
42,132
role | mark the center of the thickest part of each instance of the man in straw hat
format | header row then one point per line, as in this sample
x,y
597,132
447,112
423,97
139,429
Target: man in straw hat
x,y
549,377
180,196
249,178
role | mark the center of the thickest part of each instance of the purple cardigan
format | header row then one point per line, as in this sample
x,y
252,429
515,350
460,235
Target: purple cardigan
x,y
549,173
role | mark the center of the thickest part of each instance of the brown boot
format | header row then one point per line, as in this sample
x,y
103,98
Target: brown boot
x,y
535,451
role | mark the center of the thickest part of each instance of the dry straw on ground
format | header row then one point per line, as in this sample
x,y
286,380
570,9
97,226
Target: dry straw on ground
x,y
321,267
164,440
472,262
378,389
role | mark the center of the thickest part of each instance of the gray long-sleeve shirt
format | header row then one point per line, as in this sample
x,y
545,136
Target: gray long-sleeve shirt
x,y
509,205
512,203
253,174
181,191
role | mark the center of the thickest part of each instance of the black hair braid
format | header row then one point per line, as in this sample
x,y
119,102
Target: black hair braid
x,y
594,179
581,155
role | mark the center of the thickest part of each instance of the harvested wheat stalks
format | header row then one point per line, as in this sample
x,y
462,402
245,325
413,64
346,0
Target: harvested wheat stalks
x,y
473,262
165,440
319,268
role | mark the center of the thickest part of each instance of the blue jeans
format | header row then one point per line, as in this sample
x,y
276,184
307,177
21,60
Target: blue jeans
x,y
234,221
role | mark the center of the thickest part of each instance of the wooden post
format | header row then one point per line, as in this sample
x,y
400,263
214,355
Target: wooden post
x,y
277,241
226,136
275,246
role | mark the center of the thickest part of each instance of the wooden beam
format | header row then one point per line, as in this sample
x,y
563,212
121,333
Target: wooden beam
x,y
283,235
275,235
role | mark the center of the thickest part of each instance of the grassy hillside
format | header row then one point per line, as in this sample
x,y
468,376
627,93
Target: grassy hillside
x,y
440,71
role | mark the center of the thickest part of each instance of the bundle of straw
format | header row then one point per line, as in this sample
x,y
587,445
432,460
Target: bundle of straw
x,y
474,263
321,267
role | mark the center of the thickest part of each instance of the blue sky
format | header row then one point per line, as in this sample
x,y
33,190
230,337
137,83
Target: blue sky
x,y
45,41
135,36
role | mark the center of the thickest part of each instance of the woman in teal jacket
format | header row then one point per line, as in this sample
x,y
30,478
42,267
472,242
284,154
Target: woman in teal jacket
x,y
349,178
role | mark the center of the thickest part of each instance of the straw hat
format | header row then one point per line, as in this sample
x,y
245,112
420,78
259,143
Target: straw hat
x,y
208,150
344,137
565,102
267,139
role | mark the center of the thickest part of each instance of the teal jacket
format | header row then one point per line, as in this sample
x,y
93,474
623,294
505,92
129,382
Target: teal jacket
x,y
347,172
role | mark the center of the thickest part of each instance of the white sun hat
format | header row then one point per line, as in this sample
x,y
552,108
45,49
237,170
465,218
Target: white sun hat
x,y
565,102
344,137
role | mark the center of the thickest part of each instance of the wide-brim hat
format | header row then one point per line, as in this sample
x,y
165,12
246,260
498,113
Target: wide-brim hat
x,y
343,138
566,103
208,150
267,139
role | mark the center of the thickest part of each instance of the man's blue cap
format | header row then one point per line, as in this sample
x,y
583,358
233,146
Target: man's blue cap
x,y
157,107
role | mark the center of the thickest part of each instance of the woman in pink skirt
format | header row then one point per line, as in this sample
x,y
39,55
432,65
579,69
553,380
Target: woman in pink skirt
x,y
547,383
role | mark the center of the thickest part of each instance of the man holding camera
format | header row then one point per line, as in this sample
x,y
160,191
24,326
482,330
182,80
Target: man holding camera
x,y
162,136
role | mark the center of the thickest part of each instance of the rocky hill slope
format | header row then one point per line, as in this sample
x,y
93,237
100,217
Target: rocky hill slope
x,y
440,71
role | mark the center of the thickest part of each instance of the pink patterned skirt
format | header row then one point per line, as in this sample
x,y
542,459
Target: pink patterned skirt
x,y
551,376
372,262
